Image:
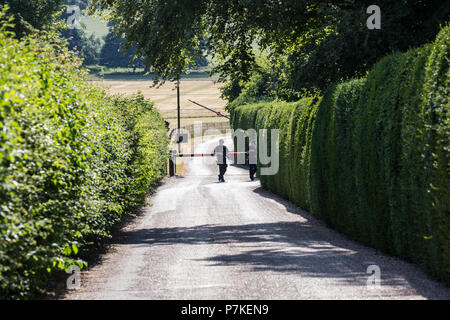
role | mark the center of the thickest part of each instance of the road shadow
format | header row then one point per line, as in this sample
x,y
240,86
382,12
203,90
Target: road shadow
x,y
290,247
289,206
240,166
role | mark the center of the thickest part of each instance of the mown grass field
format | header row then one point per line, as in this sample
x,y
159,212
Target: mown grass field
x,y
200,89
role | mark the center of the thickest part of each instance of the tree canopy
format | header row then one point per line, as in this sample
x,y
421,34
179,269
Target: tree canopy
x,y
32,14
319,41
113,56
87,45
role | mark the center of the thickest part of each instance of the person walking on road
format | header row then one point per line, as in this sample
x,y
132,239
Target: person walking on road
x,y
221,152
252,159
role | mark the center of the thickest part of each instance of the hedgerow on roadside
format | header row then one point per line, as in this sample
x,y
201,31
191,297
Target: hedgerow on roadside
x,y
73,161
371,157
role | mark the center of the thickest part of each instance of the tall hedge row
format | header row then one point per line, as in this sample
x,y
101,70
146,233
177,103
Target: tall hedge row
x,y
371,157
294,122
73,161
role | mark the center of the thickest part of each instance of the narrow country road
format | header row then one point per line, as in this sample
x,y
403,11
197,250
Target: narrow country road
x,y
202,239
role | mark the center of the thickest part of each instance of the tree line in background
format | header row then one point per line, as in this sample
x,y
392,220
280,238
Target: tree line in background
x,y
108,52
309,43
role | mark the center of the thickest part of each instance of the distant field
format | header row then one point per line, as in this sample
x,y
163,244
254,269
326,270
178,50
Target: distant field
x,y
201,90
127,74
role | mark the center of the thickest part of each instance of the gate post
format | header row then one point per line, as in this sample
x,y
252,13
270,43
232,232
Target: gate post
x,y
172,163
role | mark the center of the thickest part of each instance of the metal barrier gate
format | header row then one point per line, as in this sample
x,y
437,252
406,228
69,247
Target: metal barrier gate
x,y
174,155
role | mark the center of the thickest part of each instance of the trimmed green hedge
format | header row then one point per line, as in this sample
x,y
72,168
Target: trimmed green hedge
x,y
295,121
73,161
371,157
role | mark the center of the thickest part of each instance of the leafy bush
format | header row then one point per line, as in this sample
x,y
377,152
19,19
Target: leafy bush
x,y
371,158
73,161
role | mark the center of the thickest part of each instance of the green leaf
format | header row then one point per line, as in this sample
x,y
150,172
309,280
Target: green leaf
x,y
74,249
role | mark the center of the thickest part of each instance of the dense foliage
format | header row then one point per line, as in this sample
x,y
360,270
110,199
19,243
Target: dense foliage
x,y
314,42
32,15
371,157
113,55
259,86
87,46
73,161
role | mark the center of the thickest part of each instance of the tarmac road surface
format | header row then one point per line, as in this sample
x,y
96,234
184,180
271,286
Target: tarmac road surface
x,y
201,239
